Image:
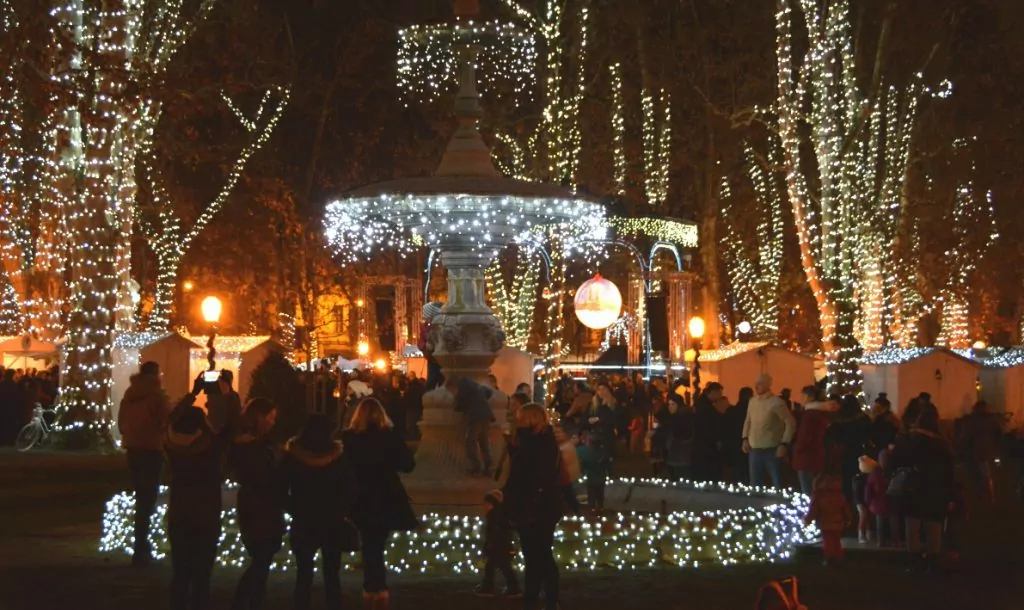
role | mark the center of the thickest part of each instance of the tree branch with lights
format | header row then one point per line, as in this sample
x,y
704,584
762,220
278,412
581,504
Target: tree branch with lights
x,y
161,223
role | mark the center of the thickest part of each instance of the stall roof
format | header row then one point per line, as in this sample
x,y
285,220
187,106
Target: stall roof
x,y
901,355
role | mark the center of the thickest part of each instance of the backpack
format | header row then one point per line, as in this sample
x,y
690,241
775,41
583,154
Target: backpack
x,y
781,594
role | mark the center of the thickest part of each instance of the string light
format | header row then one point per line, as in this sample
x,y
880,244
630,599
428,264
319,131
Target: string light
x,y
765,531
618,128
678,232
357,227
514,307
756,279
657,145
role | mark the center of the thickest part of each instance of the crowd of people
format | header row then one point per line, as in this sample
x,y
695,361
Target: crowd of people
x,y
890,479
21,390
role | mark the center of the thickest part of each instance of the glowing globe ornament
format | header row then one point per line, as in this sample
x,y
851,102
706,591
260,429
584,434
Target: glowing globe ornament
x,y
598,303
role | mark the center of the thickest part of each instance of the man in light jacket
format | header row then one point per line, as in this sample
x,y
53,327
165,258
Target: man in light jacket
x,y
142,421
767,432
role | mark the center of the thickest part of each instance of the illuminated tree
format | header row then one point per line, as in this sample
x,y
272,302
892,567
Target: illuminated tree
x,y
161,223
756,280
847,196
974,230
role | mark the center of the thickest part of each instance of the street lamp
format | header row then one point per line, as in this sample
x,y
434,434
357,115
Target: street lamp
x,y
696,327
211,308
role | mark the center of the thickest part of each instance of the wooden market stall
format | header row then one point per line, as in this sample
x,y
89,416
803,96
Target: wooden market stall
x,y
904,373
739,364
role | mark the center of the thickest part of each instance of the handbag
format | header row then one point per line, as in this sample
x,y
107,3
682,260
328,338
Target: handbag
x,y
905,482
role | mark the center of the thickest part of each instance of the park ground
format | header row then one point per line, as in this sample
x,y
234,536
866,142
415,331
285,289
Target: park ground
x,y
51,506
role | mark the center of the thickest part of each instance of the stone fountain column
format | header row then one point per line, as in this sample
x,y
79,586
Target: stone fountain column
x,y
466,337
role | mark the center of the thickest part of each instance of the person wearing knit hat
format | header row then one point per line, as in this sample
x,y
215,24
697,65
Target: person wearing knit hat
x,y
497,548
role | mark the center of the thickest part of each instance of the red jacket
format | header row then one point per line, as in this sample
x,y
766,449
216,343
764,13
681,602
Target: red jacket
x,y
875,493
809,448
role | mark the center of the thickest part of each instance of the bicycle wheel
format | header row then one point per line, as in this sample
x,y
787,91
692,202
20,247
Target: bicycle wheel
x,y
28,437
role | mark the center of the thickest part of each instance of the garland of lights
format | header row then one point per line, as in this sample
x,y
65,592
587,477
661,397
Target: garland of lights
x,y
756,280
680,233
169,241
657,145
514,306
618,129
451,544
357,227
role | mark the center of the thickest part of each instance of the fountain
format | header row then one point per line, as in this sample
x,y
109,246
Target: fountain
x,y
466,212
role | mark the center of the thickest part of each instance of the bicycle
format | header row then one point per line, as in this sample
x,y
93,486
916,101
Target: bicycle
x,y
36,430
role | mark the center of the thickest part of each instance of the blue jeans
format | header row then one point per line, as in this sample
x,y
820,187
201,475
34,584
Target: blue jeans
x,y
806,478
762,459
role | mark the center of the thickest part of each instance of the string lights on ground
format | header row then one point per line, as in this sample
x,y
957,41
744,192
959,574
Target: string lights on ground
x,y
450,544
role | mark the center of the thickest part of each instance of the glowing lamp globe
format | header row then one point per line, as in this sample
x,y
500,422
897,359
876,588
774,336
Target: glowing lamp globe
x,y
363,348
744,327
696,327
598,303
211,307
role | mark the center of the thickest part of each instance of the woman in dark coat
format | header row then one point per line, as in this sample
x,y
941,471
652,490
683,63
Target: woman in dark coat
x,y
928,498
378,454
194,457
321,490
533,502
735,416
261,494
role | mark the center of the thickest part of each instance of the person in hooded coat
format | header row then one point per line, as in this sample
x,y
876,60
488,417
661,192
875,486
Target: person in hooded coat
x,y
253,461
142,421
377,455
321,491
195,455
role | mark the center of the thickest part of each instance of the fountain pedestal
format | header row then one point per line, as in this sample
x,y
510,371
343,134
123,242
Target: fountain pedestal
x,y
465,338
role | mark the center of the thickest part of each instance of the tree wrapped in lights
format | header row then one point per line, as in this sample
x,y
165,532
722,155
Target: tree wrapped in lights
x,y
657,144
106,116
756,279
514,305
975,232
162,225
846,213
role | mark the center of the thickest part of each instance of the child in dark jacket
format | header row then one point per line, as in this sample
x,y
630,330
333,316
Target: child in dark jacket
x,y
497,548
595,463
831,513
194,454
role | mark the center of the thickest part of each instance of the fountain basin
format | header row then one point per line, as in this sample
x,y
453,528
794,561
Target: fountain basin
x,y
648,523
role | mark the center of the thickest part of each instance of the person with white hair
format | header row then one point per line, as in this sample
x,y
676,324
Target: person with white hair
x,y
767,432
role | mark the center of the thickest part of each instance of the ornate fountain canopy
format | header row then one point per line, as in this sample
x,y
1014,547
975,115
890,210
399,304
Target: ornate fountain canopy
x,y
466,203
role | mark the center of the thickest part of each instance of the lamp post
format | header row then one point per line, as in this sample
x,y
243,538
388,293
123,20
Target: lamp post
x,y
211,308
696,328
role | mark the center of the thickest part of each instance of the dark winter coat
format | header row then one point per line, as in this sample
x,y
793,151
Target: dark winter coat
x,y
708,435
932,458
604,427
884,430
195,464
377,457
809,445
321,488
532,492
474,400
850,438
225,410
497,533
595,462
262,488
980,436
143,414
